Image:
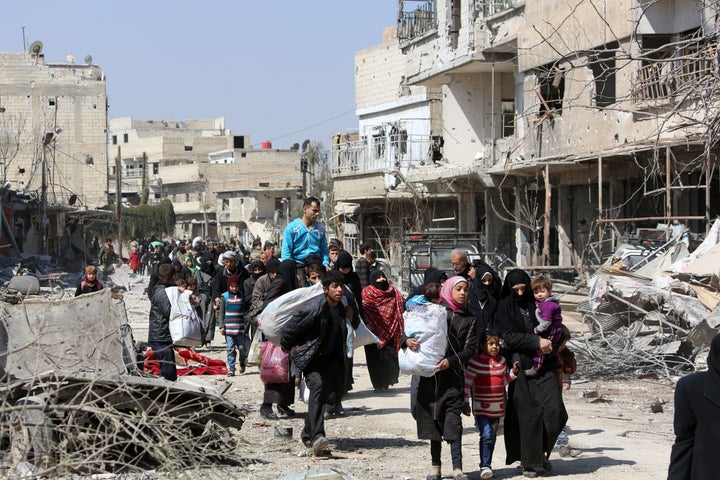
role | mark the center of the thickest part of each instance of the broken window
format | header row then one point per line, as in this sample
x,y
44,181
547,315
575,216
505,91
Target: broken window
x,y
508,118
455,22
672,63
551,89
379,144
602,64
156,168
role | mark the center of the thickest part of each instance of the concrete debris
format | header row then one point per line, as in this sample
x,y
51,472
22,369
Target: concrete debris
x,y
73,400
652,309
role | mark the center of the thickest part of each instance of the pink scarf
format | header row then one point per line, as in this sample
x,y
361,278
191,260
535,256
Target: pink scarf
x,y
446,292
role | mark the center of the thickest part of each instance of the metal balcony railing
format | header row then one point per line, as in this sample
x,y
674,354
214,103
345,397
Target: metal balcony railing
x,y
400,152
662,79
491,7
417,22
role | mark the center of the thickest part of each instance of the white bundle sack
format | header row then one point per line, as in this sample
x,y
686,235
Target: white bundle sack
x,y
184,322
427,322
278,312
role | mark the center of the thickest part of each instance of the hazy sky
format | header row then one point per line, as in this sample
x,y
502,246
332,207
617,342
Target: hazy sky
x,y
276,70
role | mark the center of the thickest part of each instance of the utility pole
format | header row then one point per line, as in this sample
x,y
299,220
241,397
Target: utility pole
x,y
50,137
118,199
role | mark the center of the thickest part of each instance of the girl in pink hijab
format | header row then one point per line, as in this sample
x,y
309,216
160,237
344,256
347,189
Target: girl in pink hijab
x,y
438,401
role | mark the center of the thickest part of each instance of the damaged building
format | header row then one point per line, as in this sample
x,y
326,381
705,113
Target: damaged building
x,y
559,130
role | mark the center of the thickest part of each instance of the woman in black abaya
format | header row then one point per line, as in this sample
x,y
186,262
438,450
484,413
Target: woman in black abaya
x,y
535,413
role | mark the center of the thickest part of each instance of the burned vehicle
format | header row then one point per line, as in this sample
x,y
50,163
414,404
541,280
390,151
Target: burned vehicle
x,y
73,400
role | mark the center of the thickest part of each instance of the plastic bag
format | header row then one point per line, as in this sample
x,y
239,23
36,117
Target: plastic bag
x,y
184,323
362,335
279,311
275,364
254,352
304,390
427,322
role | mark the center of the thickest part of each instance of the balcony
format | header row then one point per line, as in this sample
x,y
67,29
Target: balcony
x,y
418,21
492,7
379,153
663,79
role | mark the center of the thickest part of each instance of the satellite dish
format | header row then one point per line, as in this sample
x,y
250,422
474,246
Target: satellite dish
x,y
36,47
70,58
305,146
72,199
88,59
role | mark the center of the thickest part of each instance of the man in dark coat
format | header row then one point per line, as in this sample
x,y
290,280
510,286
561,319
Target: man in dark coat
x,y
535,413
159,337
697,422
315,338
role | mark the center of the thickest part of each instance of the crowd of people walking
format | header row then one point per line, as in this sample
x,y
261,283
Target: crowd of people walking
x,y
502,355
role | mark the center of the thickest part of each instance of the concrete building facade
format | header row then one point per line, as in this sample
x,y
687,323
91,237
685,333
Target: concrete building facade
x,y
53,114
563,127
218,186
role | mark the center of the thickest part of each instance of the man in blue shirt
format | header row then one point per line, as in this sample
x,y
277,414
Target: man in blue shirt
x,y
306,236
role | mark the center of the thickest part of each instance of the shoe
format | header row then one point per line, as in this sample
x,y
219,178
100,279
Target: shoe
x,y
433,476
231,374
459,475
242,367
320,444
547,466
268,414
529,472
286,410
327,415
485,473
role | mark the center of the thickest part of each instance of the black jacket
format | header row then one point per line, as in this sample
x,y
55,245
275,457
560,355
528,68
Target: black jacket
x,y
442,394
697,423
159,331
304,333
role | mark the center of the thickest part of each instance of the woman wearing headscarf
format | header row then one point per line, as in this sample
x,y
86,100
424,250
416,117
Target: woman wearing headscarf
x,y
535,413
438,401
482,301
432,275
697,422
383,313
282,394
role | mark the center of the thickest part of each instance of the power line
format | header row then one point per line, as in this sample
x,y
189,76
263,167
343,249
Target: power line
x,y
315,125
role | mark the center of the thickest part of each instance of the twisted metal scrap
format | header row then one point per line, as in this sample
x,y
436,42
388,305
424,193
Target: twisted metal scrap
x,y
73,402
70,424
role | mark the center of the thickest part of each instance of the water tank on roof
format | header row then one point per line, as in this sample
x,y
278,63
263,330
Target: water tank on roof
x,y
266,144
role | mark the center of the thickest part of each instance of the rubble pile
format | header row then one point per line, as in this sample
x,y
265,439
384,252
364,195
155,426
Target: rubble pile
x,y
74,402
658,315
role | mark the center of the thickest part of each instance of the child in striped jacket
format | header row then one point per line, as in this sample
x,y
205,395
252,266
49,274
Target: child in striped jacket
x,y
485,379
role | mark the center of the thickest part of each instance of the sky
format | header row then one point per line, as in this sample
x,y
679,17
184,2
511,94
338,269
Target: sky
x,y
276,70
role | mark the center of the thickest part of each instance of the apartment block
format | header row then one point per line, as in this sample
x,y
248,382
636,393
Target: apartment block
x,y
558,128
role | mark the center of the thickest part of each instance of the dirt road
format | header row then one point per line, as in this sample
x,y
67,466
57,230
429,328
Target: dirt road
x,y
612,430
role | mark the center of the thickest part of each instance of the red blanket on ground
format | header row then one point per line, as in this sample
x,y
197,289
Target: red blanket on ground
x,y
188,363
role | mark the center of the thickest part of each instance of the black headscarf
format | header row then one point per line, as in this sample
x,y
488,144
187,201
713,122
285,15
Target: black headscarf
x,y
380,285
516,277
272,265
482,299
432,275
344,260
288,272
207,264
257,264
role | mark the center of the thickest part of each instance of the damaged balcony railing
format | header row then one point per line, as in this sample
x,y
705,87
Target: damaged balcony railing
x,y
416,22
664,78
377,153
